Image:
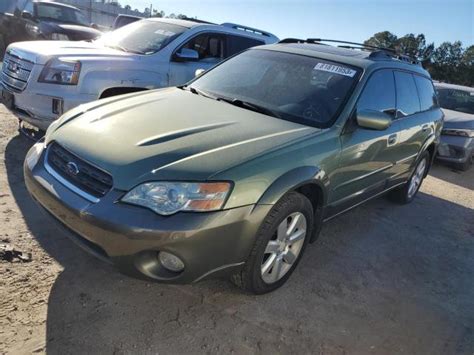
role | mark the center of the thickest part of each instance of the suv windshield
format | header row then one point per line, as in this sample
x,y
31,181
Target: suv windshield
x,y
8,6
293,87
456,100
59,13
144,37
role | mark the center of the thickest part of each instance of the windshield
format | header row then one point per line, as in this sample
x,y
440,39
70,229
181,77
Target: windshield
x,y
144,37
456,100
60,13
8,6
298,88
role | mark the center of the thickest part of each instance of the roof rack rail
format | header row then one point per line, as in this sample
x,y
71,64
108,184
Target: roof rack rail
x,y
197,20
246,29
377,52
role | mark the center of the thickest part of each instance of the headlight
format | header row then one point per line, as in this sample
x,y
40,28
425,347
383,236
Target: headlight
x,y
166,198
61,72
32,30
59,37
458,132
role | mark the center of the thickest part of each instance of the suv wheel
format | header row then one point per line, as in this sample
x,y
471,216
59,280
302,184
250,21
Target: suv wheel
x,y
406,193
279,245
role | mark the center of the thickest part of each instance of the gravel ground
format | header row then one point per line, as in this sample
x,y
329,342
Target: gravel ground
x,y
381,279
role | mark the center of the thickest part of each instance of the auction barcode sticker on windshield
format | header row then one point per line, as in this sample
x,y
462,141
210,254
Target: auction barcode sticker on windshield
x,y
336,69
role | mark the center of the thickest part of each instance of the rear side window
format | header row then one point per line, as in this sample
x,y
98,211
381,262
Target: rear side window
x,y
236,44
426,93
407,94
379,93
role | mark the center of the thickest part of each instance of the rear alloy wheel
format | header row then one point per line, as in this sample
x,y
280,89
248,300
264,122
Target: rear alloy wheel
x,y
279,245
406,193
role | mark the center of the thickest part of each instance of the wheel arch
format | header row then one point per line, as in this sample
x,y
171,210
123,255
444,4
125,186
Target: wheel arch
x,y
308,181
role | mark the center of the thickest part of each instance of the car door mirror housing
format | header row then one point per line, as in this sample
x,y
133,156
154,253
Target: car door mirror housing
x,y
199,72
186,54
371,119
27,15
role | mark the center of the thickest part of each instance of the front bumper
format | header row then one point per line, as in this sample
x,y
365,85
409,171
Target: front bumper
x,y
210,244
35,104
455,149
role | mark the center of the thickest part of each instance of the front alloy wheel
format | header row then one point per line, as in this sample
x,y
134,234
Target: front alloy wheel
x,y
284,248
279,245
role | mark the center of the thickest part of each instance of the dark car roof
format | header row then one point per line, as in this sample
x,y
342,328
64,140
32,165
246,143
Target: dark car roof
x,y
359,58
453,86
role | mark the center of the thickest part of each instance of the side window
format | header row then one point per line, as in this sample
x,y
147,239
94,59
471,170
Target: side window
x,y
379,93
407,94
29,7
236,44
426,92
210,46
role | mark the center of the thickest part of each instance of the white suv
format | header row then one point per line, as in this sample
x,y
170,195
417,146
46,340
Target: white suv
x,y
41,80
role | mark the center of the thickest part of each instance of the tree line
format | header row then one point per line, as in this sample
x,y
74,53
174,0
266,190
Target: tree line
x,y
449,62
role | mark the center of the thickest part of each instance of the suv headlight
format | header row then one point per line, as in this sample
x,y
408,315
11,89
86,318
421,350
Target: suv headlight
x,y
458,132
59,37
61,72
166,198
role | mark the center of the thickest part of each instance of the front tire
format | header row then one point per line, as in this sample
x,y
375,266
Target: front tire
x,y
279,245
406,193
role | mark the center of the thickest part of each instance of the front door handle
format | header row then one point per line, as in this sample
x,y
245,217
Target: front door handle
x,y
425,127
392,139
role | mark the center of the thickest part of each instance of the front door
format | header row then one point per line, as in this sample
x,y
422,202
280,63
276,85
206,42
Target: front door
x,y
210,48
368,157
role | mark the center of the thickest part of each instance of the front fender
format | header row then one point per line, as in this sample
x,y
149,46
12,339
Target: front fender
x,y
96,82
292,180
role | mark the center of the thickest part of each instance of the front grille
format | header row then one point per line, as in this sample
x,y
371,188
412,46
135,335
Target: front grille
x,y
78,172
16,72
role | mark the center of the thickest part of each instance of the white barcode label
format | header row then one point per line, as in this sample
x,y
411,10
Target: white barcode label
x,y
336,69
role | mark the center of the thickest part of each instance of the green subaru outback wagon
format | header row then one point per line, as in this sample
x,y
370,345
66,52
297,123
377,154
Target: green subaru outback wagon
x,y
234,173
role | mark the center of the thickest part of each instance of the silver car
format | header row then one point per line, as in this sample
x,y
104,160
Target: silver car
x,y
457,137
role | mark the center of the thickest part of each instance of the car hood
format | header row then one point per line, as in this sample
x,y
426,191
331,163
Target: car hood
x,y
456,119
40,52
76,32
169,134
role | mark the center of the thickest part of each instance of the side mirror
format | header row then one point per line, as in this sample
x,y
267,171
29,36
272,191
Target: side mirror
x,y
27,15
373,119
199,72
186,54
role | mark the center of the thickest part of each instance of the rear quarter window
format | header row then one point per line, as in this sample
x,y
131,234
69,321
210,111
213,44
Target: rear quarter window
x,y
237,44
426,93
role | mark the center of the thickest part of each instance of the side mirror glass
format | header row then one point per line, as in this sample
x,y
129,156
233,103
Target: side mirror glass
x,y
199,72
27,15
373,119
186,54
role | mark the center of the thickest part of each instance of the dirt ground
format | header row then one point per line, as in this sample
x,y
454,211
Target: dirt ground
x,y
381,279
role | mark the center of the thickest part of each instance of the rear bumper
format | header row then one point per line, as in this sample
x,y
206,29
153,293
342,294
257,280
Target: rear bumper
x,y
455,149
130,237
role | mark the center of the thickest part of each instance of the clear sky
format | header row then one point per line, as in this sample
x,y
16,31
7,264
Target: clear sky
x,y
352,20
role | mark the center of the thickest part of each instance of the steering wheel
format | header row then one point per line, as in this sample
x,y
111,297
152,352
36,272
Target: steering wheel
x,y
316,110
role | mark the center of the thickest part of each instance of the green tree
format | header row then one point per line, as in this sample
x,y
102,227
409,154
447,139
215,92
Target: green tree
x,y
385,39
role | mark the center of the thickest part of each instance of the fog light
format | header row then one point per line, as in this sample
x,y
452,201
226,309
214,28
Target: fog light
x,y
170,261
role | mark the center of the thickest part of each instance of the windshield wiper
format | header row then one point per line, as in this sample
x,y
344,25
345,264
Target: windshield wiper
x,y
197,91
250,106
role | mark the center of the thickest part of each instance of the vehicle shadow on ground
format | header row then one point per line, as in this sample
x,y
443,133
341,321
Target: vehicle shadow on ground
x,y
370,283
447,173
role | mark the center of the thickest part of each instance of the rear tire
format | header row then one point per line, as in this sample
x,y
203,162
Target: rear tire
x,y
279,245
407,192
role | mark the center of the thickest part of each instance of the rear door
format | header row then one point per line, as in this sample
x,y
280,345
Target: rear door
x,y
416,101
368,156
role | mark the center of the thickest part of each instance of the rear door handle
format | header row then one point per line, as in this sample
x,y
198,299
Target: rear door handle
x,y
392,139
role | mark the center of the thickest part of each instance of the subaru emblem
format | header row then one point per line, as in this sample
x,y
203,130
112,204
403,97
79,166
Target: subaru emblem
x,y
72,168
